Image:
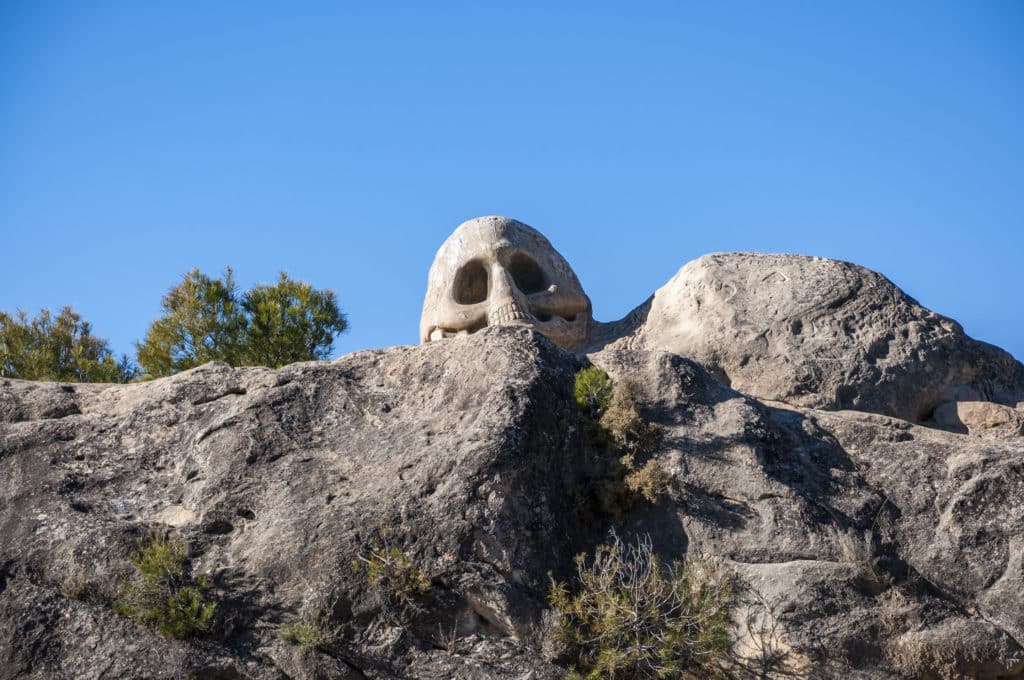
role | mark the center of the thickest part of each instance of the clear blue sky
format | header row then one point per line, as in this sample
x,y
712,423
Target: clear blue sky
x,y
344,141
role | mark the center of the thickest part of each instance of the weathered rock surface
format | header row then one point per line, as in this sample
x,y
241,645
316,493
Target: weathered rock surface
x,y
868,546
817,333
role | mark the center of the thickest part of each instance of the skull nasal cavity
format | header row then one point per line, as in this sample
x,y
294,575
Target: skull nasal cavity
x,y
471,284
527,274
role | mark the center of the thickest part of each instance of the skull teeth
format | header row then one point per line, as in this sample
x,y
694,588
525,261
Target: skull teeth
x,y
507,314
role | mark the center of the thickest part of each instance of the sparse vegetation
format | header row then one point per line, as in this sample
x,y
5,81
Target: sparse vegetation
x,y
162,595
615,436
396,578
630,434
312,631
629,615
95,590
76,587
651,482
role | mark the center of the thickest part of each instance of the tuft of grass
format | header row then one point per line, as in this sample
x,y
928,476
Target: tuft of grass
x,y
77,586
629,615
395,576
162,595
310,632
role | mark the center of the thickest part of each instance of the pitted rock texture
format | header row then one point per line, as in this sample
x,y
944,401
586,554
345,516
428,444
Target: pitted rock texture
x,y
865,546
817,333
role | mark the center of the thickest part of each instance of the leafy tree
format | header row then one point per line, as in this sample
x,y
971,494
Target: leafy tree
x,y
205,319
202,322
60,348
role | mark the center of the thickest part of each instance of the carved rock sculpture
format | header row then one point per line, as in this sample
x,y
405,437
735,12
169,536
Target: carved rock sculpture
x,y
495,271
807,331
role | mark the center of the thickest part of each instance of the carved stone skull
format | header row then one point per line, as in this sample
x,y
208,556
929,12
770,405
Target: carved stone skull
x,y
495,271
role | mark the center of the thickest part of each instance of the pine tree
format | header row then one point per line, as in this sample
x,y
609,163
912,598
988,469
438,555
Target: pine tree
x,y
202,322
205,319
290,321
60,348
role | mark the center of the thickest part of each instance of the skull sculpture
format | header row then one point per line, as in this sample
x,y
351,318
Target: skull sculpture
x,y
495,271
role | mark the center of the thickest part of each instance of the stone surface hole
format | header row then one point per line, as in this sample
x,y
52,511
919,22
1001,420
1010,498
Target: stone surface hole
x,y
527,274
218,526
471,284
246,513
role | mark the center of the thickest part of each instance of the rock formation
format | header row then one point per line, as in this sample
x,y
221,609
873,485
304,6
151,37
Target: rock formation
x,y
819,333
860,475
804,330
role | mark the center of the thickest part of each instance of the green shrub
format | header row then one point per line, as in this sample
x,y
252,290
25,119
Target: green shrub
x,y
614,436
310,632
161,594
593,391
632,616
393,575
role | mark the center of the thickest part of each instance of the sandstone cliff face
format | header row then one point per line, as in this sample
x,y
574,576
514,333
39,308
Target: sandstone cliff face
x,y
865,545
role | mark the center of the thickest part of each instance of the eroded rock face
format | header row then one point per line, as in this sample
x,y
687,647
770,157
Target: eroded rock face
x,y
495,271
817,333
865,546
279,479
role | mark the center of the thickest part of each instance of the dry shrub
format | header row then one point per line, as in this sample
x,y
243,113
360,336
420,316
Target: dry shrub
x,y
629,432
394,576
651,482
616,435
630,615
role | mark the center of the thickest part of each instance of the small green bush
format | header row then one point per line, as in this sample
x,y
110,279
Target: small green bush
x,y
161,594
632,616
614,436
393,575
310,632
593,391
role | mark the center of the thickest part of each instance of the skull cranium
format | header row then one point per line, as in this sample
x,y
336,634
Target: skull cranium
x,y
495,271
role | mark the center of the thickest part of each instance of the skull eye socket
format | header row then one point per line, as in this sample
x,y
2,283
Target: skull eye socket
x,y
471,284
527,274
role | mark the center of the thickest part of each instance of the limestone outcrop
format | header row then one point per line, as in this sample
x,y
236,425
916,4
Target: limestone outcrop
x,y
818,333
863,545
